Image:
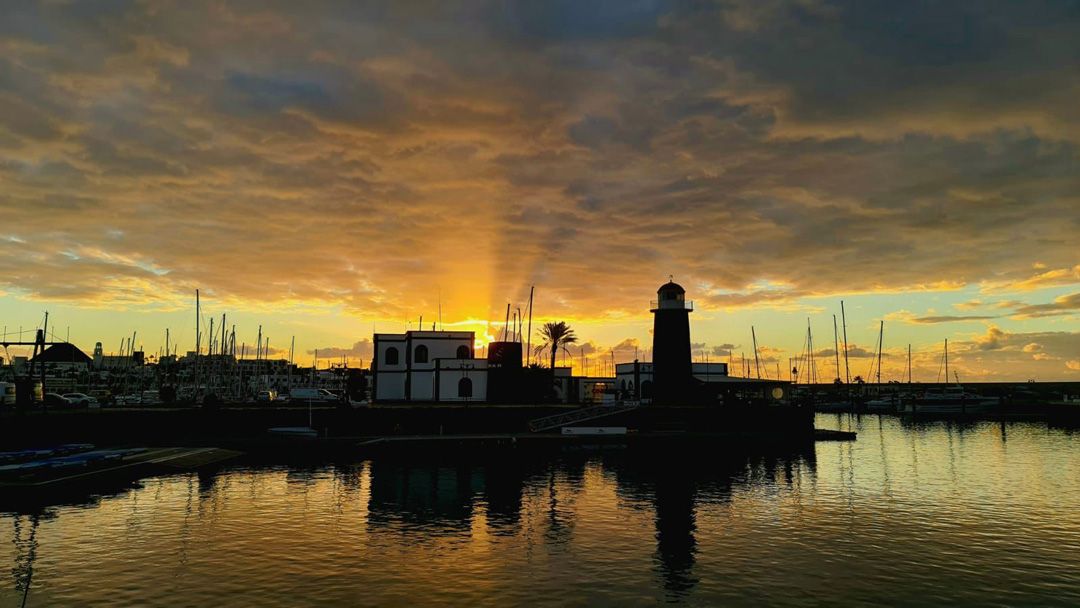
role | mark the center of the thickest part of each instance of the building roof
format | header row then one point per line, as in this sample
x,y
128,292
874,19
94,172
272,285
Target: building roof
x,y
670,286
63,353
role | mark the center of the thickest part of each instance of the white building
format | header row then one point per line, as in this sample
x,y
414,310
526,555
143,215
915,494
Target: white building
x,y
428,366
626,378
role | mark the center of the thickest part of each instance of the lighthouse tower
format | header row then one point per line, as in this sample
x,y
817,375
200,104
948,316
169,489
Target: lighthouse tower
x,y
671,344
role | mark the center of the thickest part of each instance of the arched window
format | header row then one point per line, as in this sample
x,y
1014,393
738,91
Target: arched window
x,y
463,352
421,354
464,388
646,389
391,356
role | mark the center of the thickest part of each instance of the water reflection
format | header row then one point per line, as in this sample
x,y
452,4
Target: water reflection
x,y
429,499
910,513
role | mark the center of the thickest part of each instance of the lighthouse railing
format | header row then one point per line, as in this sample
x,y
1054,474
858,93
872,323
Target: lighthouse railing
x,y
671,304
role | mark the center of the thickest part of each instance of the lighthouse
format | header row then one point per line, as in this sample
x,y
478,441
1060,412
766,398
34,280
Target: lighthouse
x,y
671,343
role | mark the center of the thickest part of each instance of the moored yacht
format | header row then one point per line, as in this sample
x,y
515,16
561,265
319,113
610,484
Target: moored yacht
x,y
950,400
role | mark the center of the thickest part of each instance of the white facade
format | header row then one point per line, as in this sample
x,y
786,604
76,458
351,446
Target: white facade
x,y
707,372
703,372
461,380
428,366
625,381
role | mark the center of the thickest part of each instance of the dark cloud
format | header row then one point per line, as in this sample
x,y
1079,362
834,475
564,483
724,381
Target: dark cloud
x,y
950,318
366,157
362,349
1061,305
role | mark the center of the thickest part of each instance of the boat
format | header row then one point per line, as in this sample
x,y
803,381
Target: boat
x,y
294,431
950,400
884,403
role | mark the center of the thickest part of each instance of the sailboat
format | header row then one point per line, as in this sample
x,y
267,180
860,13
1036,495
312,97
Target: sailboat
x,y
950,399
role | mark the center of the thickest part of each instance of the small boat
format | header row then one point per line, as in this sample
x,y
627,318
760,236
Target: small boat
x,y
884,403
294,431
950,400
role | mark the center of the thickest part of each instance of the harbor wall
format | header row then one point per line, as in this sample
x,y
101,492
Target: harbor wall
x,y
161,426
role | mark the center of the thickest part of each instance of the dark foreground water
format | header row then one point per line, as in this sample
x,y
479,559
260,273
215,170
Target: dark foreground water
x,y
908,515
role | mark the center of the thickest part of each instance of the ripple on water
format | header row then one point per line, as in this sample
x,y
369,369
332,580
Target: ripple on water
x,y
913,514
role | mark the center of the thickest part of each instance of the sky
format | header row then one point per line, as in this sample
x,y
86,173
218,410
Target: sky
x,y
330,169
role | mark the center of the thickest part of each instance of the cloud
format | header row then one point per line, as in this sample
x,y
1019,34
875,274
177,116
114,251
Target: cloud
x,y
380,160
950,318
993,339
361,349
723,350
1002,355
853,352
1073,365
1062,305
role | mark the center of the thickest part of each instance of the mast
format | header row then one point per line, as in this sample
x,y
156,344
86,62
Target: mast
x,y
909,363
506,323
757,362
836,346
197,343
240,370
946,360
292,350
880,347
528,340
847,367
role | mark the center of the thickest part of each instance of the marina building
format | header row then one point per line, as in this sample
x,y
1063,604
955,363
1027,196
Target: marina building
x,y
428,366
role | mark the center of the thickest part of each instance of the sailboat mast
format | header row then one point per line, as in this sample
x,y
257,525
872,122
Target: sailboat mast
x,y
847,366
197,341
946,360
881,345
836,346
506,323
757,363
528,340
909,364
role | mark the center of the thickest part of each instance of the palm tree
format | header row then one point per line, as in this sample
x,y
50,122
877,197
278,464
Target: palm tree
x,y
556,336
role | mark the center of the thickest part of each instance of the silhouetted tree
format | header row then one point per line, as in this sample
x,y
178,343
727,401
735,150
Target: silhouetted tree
x,y
555,336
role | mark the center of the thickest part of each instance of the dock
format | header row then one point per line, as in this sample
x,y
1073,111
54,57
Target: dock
x,y
132,466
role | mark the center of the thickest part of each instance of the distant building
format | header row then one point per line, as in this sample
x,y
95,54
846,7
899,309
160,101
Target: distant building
x,y
63,356
428,366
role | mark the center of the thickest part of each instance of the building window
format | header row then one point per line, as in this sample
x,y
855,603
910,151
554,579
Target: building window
x,y
646,389
391,356
464,388
463,352
421,354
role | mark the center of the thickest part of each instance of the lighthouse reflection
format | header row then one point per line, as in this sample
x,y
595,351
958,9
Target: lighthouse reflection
x,y
544,497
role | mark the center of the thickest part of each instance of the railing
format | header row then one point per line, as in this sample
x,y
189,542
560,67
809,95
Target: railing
x,y
588,413
671,305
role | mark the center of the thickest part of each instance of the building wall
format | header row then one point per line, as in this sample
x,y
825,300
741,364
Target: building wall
x,y
412,380
452,371
706,371
390,387
389,379
422,385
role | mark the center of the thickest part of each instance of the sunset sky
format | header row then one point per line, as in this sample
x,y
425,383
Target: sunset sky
x,y
329,168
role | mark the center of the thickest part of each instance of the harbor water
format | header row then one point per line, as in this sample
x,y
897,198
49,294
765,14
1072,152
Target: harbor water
x,y
911,514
